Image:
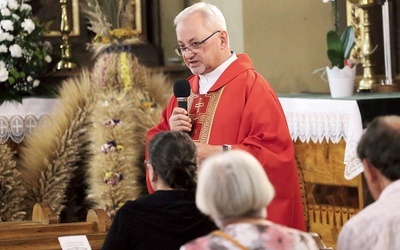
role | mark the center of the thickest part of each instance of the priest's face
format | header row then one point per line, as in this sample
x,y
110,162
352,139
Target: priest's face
x,y
202,47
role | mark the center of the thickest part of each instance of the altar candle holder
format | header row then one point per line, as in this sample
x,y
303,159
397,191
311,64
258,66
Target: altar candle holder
x,y
369,77
66,62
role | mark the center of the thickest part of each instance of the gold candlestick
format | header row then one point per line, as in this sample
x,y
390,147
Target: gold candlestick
x,y
66,61
369,77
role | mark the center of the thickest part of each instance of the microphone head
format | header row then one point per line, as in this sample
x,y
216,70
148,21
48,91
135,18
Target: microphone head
x,y
181,88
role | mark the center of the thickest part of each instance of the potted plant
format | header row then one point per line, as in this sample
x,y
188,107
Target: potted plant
x,y
341,75
339,48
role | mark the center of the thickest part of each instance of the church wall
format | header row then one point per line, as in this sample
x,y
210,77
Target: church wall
x,y
286,39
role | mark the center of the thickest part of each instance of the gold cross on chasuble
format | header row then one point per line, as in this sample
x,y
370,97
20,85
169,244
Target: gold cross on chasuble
x,y
201,111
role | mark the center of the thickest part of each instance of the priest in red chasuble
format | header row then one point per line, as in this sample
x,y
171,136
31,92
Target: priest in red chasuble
x,y
231,106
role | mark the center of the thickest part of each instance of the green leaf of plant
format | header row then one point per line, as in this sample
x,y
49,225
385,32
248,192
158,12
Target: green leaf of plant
x,y
14,73
11,79
347,40
336,58
18,98
47,23
335,49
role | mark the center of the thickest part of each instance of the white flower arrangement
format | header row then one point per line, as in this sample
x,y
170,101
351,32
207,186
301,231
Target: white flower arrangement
x,y
23,53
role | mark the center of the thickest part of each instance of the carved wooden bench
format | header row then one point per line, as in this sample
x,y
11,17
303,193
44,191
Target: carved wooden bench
x,y
44,229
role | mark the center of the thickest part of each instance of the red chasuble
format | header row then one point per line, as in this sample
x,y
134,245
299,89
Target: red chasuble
x,y
241,109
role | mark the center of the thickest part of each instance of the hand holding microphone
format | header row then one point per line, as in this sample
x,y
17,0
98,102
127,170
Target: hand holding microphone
x,y
179,121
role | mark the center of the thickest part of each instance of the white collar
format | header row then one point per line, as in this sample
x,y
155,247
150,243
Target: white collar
x,y
208,80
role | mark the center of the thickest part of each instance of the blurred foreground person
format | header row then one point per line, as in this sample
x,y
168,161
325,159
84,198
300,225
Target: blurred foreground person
x,y
234,190
378,225
168,218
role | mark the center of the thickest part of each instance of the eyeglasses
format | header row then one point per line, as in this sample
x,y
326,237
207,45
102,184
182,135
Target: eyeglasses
x,y
193,47
146,162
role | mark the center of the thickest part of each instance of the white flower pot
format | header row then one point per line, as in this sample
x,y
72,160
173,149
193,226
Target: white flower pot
x,y
341,81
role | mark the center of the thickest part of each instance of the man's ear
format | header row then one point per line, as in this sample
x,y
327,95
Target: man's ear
x,y
373,178
224,39
370,172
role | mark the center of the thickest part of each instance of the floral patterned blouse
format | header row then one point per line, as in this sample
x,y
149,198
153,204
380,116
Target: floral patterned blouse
x,y
266,235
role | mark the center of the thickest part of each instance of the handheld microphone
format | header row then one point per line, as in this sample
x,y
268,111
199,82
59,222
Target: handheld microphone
x,y
181,92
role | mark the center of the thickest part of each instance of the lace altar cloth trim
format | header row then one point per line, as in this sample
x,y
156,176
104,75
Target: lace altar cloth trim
x,y
17,127
330,120
19,120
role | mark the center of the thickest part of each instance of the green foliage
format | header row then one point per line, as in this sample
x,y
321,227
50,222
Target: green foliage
x,y
339,47
23,53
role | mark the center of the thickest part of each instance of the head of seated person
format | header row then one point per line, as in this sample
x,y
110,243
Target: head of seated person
x,y
234,190
167,218
172,162
378,149
232,187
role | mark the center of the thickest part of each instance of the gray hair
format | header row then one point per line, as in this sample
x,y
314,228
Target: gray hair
x,y
212,16
233,185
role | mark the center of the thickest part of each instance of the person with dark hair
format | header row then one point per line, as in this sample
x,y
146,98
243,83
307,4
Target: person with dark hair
x,y
231,106
168,218
377,226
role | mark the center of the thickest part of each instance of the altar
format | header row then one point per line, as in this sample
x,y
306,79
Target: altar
x,y
325,132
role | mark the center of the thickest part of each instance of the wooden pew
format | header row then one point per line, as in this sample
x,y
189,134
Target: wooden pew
x,y
48,243
42,232
41,214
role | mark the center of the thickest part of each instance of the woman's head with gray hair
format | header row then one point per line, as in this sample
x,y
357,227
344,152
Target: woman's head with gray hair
x,y
233,185
212,16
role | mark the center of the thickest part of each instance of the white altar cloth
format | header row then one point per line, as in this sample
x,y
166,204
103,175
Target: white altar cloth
x,y
327,119
18,120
